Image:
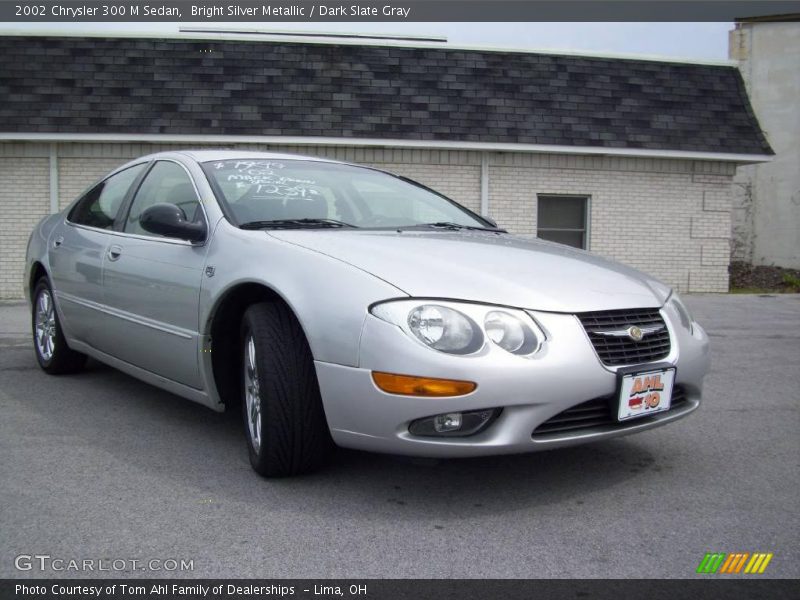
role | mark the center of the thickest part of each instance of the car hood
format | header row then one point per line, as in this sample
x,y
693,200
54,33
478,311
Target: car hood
x,y
487,267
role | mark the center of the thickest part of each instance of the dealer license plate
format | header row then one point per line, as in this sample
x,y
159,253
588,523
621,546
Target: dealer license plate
x,y
645,393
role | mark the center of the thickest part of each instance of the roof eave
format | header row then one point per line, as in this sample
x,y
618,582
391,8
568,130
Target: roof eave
x,y
386,143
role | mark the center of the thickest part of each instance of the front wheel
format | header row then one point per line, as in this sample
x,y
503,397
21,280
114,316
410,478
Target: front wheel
x,y
52,352
285,424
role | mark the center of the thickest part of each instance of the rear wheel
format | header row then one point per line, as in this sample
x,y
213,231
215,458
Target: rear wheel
x,y
50,347
285,425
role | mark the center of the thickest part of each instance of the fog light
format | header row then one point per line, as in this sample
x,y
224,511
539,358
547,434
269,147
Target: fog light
x,y
455,424
448,422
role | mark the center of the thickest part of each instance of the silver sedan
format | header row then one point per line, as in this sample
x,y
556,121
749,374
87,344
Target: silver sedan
x,y
342,305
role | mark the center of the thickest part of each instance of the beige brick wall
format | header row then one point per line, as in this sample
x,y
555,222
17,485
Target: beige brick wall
x,y
671,218
24,200
662,217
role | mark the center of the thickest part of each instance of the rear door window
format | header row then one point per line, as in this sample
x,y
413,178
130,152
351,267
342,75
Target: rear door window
x,y
100,205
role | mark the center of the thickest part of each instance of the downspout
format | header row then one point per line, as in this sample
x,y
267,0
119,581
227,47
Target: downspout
x,y
53,178
485,184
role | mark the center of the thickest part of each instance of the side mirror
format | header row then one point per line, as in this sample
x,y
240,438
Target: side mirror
x,y
489,220
170,221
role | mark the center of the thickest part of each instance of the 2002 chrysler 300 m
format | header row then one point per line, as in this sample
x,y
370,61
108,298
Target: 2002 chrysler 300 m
x,y
343,304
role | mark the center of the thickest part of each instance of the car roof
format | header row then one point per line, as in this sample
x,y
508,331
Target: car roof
x,y
211,155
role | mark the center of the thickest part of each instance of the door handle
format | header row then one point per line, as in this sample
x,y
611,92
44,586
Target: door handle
x,y
114,252
58,241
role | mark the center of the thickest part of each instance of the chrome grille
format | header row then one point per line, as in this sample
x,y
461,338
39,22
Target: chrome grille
x,y
598,412
615,350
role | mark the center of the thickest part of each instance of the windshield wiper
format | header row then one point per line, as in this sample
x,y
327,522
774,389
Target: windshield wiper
x,y
454,227
294,224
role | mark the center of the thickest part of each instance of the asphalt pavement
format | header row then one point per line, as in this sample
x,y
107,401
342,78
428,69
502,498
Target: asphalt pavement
x,y
101,466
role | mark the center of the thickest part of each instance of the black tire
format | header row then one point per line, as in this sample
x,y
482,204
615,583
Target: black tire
x,y
294,434
61,359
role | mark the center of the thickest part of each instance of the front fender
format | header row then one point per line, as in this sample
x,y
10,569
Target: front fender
x,y
329,297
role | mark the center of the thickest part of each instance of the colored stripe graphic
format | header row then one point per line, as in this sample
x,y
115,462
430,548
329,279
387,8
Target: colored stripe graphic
x,y
711,562
733,563
758,563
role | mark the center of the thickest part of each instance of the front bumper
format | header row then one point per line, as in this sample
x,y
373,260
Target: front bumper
x,y
564,373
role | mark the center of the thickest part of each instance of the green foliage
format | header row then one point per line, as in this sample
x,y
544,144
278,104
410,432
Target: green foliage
x,y
792,281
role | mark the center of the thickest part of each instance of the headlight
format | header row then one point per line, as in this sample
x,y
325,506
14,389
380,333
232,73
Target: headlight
x,y
683,312
510,332
462,328
444,329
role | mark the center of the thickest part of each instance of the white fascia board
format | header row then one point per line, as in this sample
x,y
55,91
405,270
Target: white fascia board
x,y
381,143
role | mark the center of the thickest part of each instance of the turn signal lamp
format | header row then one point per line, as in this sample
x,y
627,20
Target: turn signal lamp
x,y
408,385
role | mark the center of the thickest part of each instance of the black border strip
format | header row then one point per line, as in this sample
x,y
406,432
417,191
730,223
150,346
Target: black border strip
x,y
255,11
712,586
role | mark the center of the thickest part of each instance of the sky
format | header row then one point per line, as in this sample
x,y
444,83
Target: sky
x,y
699,41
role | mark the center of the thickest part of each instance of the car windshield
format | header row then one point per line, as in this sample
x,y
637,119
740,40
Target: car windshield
x,y
264,193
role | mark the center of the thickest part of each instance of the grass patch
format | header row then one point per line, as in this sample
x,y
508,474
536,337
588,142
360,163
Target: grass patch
x,y
753,290
763,279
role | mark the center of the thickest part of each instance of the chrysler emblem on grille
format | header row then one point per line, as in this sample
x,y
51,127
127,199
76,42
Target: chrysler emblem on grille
x,y
635,333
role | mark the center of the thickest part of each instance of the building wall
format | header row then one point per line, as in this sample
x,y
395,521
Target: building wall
x,y
671,218
767,200
24,200
668,218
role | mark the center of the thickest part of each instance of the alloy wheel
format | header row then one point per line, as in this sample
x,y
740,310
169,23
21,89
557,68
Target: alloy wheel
x,y
45,325
252,393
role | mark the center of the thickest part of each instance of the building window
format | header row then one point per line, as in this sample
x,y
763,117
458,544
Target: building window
x,y
563,219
